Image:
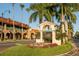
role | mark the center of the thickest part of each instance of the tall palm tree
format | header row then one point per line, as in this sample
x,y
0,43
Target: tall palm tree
x,y
13,21
22,7
2,16
65,10
5,25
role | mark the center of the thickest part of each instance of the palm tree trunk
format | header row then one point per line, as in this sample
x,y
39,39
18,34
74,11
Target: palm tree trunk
x,y
22,27
62,20
2,26
22,6
13,23
66,28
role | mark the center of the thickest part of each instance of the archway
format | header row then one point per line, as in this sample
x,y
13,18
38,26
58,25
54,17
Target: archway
x,y
47,33
53,29
18,36
1,36
33,36
9,35
25,35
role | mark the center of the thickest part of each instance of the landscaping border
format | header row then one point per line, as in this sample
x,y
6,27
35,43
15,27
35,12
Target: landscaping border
x,y
66,53
74,48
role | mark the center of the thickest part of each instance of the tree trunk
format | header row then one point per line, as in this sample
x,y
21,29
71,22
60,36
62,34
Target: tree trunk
x,y
13,23
22,26
66,29
62,26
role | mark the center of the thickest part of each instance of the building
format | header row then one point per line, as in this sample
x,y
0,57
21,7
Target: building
x,y
31,33
10,29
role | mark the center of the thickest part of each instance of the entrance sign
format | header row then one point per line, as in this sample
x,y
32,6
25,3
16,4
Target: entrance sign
x,y
53,28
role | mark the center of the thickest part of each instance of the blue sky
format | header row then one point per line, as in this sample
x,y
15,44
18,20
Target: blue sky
x,y
26,15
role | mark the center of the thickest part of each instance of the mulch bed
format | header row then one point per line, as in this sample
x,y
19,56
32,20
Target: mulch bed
x,y
42,45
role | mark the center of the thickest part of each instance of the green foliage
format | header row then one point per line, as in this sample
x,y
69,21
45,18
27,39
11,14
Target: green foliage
x,y
77,34
23,50
22,6
41,11
60,36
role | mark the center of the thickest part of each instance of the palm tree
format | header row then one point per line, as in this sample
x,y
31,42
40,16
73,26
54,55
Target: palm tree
x,y
22,6
2,16
5,25
65,10
13,21
58,10
39,11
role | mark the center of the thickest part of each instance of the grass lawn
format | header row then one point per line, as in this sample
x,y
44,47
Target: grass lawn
x,y
23,50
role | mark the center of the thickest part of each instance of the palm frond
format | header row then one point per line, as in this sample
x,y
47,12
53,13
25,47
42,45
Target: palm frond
x,y
33,17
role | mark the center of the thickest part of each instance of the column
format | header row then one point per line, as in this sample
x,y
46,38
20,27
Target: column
x,y
53,36
13,32
41,35
22,34
5,31
2,32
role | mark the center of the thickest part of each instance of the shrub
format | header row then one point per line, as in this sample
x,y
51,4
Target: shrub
x,y
42,45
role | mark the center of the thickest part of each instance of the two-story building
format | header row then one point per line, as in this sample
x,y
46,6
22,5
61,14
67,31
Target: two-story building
x,y
10,29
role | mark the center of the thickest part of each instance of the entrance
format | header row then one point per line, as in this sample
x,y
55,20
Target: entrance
x,y
47,34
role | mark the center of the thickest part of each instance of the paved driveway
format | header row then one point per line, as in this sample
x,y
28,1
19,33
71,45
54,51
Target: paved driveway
x,y
75,51
4,45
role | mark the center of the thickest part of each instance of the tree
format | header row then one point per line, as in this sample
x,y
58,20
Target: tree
x,y
22,6
70,30
77,35
39,11
65,10
13,21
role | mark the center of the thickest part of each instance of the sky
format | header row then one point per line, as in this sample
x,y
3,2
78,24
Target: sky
x,y
17,15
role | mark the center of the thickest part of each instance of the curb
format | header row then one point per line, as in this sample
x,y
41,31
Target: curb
x,y
74,48
65,53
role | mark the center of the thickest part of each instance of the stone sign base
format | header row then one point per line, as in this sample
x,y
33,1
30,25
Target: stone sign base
x,y
39,41
57,42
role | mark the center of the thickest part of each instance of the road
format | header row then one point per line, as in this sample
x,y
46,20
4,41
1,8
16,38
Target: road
x,y
5,45
75,51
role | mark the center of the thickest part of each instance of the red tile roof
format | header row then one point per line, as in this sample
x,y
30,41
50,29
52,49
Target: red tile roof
x,y
10,22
